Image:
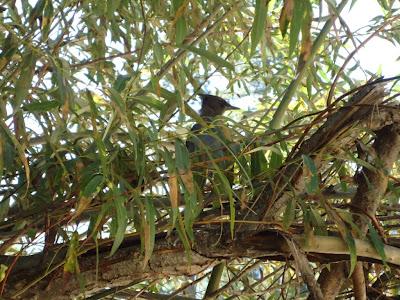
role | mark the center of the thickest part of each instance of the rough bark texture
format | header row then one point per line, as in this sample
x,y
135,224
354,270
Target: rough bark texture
x,y
330,288
124,267
307,273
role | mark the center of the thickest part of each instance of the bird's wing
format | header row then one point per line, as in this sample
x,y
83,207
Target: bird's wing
x,y
190,142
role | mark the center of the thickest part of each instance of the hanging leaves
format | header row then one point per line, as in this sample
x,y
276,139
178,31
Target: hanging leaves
x,y
24,82
260,20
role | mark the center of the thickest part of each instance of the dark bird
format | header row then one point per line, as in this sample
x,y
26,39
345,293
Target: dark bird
x,y
208,145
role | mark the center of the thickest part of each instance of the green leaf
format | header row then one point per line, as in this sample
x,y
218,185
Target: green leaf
x,y
71,264
3,272
181,156
259,163
24,81
377,242
310,164
149,231
351,244
318,222
149,101
209,55
42,106
61,76
116,97
48,13
10,46
122,221
276,159
312,187
288,215
93,186
183,235
180,31
259,23
296,23
120,83
190,213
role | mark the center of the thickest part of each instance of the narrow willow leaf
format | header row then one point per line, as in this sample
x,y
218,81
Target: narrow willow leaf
x,y
36,12
190,213
71,264
181,156
102,150
306,43
353,251
10,46
209,55
3,272
310,164
149,231
377,242
91,189
179,7
158,52
24,81
122,221
259,163
183,235
296,23
48,13
93,186
149,101
288,215
187,179
180,30
61,76
260,19
286,16
121,82
318,222
20,149
116,97
42,106
81,206
276,159
312,186
227,191
173,195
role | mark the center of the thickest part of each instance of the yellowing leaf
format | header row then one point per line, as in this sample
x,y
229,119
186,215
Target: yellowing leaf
x,y
286,16
71,265
173,189
3,271
187,178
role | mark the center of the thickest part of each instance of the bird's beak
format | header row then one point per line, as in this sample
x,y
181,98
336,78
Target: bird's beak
x,y
231,107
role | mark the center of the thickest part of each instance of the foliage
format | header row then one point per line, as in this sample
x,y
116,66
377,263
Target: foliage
x,y
96,106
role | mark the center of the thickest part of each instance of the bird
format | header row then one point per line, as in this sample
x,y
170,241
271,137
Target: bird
x,y
208,145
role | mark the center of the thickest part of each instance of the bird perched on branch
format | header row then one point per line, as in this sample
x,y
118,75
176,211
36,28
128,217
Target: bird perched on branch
x,y
209,145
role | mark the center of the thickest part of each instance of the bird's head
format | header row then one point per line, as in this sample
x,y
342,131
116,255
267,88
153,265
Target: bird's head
x,y
213,106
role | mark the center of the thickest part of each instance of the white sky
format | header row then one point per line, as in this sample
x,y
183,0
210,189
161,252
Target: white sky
x,y
378,54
